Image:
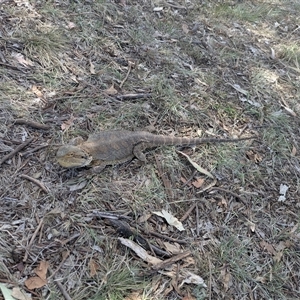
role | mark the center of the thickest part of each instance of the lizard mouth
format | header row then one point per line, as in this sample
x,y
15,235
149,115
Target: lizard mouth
x,y
88,161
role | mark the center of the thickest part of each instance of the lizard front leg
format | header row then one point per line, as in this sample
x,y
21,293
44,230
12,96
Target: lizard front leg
x,y
98,166
138,152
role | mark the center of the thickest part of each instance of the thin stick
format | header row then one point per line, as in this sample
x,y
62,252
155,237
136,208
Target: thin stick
x,y
229,192
60,265
126,77
197,220
188,213
165,179
61,287
210,278
32,124
35,181
165,237
14,152
34,149
134,96
32,239
171,260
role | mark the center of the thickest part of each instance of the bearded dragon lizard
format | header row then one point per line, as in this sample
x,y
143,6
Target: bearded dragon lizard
x,y
110,147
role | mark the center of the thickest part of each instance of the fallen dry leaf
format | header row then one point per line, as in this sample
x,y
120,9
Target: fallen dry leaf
x,y
94,267
172,248
294,151
35,282
111,91
282,192
71,25
157,9
254,156
196,166
41,269
185,28
290,111
239,89
20,294
135,296
226,278
140,252
171,220
198,183
40,280
66,125
20,58
223,203
78,186
92,68
266,246
190,277
37,92
251,225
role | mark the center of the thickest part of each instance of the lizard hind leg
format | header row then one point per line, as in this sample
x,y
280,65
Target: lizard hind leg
x,y
138,152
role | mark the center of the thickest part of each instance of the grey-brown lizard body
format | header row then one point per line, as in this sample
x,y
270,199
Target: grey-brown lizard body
x,y
110,147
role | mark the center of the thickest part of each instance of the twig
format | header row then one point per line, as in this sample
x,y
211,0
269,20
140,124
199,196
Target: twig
x,y
12,67
35,181
184,217
19,148
61,287
208,187
107,215
124,229
197,220
190,179
126,77
229,192
171,260
32,239
32,124
24,163
34,149
165,179
165,237
60,265
210,278
134,96
74,236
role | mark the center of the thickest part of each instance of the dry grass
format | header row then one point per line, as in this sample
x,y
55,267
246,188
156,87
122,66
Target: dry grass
x,y
214,69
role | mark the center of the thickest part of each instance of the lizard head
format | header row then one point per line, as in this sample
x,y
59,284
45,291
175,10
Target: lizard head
x,y
69,156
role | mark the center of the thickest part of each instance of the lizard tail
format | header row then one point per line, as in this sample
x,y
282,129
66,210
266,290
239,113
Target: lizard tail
x,y
183,141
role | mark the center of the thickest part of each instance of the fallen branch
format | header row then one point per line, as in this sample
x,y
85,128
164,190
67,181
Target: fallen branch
x,y
169,261
134,96
35,181
14,152
124,229
32,124
34,149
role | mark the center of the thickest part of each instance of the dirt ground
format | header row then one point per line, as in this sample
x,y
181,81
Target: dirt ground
x,y
217,221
